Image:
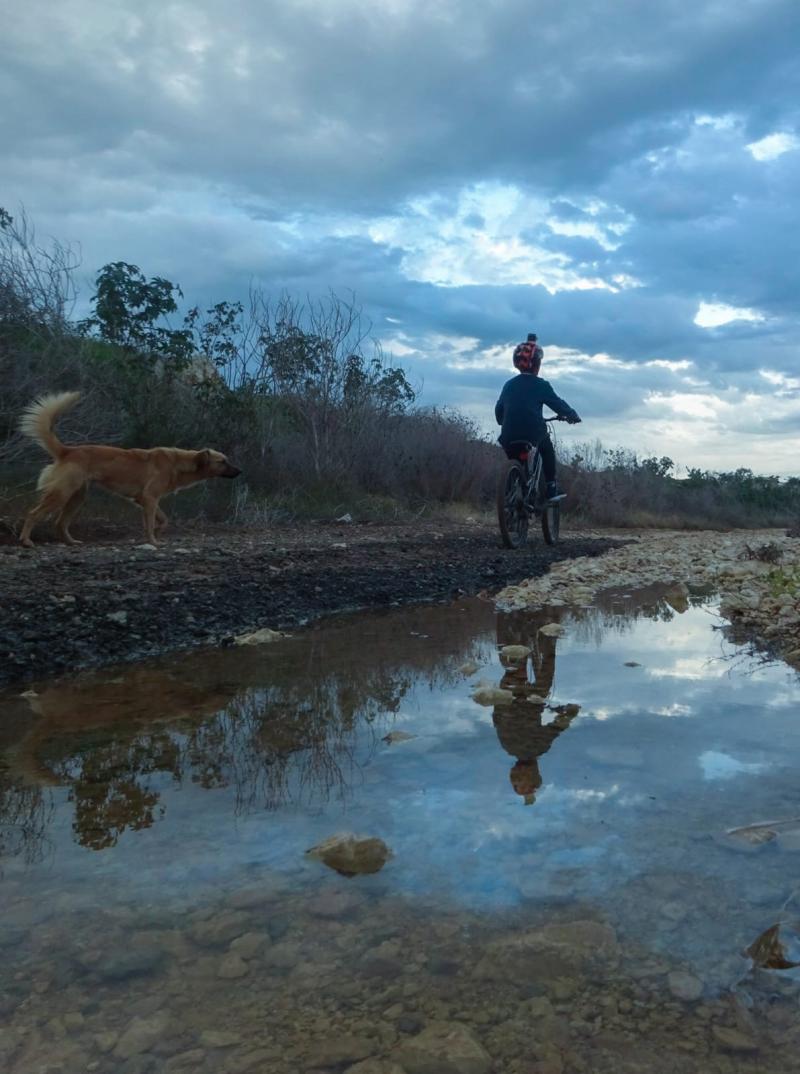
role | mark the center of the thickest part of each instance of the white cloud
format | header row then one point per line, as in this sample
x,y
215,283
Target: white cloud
x,y
385,149
715,314
482,237
718,123
773,146
785,385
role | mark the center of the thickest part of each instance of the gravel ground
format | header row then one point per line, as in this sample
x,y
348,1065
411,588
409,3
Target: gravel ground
x,y
112,601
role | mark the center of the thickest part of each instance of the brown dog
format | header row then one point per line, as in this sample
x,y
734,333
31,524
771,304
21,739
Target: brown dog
x,y
142,476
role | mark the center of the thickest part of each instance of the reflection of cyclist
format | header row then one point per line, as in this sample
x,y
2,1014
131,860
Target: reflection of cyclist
x,y
519,411
519,724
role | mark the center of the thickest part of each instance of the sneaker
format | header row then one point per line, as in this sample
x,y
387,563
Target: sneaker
x,y
554,492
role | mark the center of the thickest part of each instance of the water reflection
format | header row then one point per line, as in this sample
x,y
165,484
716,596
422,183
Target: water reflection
x,y
278,727
520,725
176,923
293,725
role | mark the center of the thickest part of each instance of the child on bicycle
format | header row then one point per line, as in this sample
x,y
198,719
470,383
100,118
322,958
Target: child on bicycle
x,y
519,412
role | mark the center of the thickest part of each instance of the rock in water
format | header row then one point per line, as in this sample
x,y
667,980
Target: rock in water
x,y
515,654
338,1050
352,855
685,986
376,1066
733,1040
141,1035
444,1048
551,630
492,695
468,669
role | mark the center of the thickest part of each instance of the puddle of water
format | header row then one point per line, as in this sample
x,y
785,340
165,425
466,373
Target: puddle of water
x,y
559,889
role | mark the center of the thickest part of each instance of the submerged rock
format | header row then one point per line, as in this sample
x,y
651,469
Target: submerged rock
x,y
232,966
351,855
139,962
444,1048
375,1066
733,1040
334,904
492,695
685,986
337,1051
548,953
552,630
469,669
515,654
142,1034
397,736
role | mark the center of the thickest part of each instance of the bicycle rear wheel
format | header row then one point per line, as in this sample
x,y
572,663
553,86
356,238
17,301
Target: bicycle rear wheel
x,y
512,515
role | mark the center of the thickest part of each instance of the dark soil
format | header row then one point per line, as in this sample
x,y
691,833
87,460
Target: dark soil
x,y
69,608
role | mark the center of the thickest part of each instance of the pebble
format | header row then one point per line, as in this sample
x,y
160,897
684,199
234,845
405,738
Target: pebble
x,y
685,986
232,966
733,1040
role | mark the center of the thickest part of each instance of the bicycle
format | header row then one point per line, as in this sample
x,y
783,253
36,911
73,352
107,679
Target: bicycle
x,y
521,494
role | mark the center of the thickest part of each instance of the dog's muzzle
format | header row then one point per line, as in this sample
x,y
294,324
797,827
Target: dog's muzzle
x,y
231,471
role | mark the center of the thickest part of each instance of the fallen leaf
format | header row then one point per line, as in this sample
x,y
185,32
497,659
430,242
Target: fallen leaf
x,y
397,736
769,952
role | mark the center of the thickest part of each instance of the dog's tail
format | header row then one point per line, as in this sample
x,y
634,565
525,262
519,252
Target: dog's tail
x,y
38,419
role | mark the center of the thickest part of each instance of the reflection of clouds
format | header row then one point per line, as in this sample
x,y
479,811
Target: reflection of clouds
x,y
452,716
716,765
583,794
675,709
691,667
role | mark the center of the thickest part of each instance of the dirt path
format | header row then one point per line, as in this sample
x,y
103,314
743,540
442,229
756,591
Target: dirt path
x,y
68,608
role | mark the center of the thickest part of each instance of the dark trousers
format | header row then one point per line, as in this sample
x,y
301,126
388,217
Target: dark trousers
x,y
546,450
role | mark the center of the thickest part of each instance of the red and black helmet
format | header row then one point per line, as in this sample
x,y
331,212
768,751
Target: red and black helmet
x,y
528,355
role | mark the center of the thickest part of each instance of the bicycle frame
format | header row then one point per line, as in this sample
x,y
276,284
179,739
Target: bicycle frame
x,y
520,495
533,470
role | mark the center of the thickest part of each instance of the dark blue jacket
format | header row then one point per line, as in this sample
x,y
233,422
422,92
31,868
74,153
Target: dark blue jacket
x,y
519,408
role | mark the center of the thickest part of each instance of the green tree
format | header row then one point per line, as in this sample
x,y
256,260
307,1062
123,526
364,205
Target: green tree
x,y
130,311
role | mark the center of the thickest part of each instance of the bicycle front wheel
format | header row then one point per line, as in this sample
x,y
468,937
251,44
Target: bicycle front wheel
x,y
551,522
512,515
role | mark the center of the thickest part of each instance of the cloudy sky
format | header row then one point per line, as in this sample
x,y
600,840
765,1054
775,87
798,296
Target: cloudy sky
x,y
619,176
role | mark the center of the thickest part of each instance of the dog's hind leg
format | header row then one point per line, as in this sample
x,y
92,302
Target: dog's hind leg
x,y
161,520
57,493
150,508
68,512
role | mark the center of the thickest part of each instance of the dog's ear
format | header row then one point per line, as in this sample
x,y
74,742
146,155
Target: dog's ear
x,y
202,459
